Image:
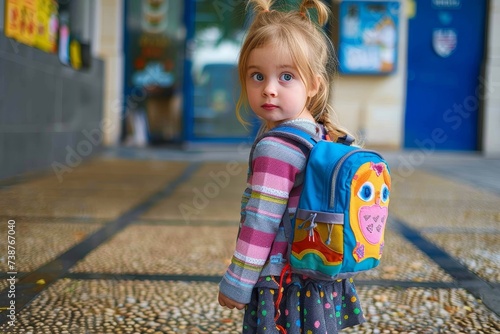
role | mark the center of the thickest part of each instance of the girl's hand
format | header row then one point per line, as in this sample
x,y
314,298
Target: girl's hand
x,y
229,303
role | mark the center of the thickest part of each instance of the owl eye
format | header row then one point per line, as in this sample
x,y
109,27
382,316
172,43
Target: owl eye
x,y
366,192
384,193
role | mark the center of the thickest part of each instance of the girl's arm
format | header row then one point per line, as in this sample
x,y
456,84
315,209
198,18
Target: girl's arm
x,y
275,166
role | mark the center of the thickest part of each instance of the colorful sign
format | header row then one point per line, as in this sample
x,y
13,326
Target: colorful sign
x,y
368,36
47,25
20,22
32,22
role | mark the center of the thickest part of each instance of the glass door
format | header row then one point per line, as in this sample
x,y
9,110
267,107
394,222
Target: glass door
x,y
217,33
154,36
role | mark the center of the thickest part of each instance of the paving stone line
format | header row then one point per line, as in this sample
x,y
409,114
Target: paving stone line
x,y
27,287
489,294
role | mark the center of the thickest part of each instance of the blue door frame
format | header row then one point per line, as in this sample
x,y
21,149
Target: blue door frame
x,y
445,55
188,84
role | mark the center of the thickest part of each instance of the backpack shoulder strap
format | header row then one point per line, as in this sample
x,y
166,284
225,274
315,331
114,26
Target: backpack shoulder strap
x,y
301,137
346,140
295,134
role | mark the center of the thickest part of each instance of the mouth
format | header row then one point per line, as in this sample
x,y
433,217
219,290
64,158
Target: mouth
x,y
269,106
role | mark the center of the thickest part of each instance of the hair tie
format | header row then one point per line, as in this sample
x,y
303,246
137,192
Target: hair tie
x,y
303,14
266,11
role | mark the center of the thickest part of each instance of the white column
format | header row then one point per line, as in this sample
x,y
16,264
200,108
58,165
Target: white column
x,y
491,134
108,42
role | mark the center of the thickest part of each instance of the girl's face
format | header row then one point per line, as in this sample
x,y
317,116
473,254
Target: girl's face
x,y
275,90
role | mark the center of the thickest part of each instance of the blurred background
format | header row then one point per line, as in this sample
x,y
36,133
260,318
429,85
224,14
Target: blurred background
x,y
77,77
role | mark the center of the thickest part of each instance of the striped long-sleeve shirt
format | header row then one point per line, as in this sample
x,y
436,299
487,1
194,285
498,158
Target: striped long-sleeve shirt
x,y
273,185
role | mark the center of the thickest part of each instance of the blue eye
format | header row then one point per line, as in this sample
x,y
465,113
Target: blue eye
x,y
384,194
286,77
366,192
258,76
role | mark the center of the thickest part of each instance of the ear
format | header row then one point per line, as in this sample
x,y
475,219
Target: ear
x,y
314,88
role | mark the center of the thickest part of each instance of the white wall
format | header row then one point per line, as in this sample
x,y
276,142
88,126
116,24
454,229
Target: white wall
x,y
491,134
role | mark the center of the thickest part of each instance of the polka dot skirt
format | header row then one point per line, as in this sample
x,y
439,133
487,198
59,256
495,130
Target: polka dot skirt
x,y
307,307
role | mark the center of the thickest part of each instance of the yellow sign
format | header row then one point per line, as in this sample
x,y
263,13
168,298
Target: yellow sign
x,y
75,54
47,25
32,22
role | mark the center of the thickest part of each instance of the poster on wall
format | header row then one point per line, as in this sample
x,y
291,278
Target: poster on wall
x,y
20,20
32,22
368,38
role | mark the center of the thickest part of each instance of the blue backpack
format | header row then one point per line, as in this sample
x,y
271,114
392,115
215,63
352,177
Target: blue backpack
x,y
338,228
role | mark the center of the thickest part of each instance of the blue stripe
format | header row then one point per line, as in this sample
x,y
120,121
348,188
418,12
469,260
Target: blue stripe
x,y
231,279
262,216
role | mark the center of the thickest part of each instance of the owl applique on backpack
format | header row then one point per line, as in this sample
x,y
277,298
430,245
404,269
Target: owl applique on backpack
x,y
338,228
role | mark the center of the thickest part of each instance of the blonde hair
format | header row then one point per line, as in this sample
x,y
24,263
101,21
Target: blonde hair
x,y
309,47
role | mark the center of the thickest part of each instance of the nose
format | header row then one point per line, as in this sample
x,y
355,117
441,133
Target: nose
x,y
269,90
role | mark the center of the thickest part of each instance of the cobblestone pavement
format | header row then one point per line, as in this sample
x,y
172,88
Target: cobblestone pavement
x,y
135,241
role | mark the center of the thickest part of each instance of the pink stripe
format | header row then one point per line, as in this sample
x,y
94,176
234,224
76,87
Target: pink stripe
x,y
259,253
258,238
278,182
262,212
274,167
231,273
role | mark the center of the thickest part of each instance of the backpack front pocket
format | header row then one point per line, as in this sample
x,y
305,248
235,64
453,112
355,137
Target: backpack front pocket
x,y
317,246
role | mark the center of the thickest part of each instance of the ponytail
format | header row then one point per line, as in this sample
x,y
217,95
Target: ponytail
x,y
321,8
329,120
261,6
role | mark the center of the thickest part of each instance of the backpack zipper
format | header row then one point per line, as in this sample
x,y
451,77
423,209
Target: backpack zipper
x,y
337,170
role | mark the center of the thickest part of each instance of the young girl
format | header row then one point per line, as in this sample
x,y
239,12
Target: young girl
x,y
283,69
